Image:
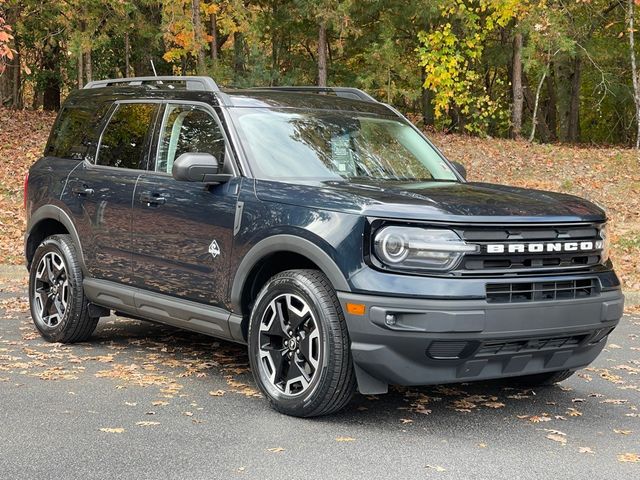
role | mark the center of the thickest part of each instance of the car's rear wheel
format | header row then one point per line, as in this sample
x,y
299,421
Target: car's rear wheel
x,y
59,308
299,345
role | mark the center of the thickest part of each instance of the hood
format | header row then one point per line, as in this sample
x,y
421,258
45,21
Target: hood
x,y
434,201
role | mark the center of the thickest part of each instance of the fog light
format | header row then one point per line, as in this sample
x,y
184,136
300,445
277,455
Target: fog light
x,y
390,319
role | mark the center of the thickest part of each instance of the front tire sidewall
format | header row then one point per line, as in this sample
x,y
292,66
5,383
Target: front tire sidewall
x,y
306,401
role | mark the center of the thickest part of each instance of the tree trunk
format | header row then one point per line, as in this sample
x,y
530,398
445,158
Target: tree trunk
x,y
322,55
516,85
534,116
573,125
88,66
51,72
213,25
634,67
80,70
542,130
426,100
127,53
17,80
552,104
238,54
197,29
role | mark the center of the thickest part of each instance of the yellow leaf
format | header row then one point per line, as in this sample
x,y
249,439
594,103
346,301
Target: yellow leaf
x,y
345,439
276,449
217,393
147,424
629,457
112,430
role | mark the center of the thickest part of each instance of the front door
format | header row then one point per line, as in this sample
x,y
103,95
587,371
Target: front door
x,y
182,231
101,193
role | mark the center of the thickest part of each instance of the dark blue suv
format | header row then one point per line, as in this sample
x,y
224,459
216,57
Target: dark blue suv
x,y
319,227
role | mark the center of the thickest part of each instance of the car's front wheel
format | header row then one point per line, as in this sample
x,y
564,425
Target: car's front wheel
x,y
59,308
299,345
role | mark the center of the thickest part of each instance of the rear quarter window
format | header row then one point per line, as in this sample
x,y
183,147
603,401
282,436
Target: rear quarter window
x,y
74,132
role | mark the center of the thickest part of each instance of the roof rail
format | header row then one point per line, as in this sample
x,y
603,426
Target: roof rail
x,y
191,82
344,92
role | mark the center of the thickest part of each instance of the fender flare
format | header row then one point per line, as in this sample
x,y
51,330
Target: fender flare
x,y
53,212
285,243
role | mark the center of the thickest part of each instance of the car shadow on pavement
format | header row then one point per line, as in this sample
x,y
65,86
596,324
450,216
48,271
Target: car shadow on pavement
x,y
588,393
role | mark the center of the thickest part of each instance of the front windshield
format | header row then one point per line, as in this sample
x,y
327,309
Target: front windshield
x,y
320,145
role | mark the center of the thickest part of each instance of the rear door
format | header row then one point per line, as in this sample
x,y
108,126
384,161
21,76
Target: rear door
x,y
102,191
182,231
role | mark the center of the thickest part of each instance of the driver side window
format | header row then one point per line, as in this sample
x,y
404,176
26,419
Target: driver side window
x,y
188,129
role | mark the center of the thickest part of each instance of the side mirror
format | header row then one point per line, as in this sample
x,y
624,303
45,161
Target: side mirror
x,y
460,169
198,167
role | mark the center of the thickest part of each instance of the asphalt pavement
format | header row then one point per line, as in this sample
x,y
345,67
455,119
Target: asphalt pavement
x,y
142,401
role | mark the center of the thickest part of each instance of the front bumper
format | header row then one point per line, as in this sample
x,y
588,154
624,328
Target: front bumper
x,y
408,341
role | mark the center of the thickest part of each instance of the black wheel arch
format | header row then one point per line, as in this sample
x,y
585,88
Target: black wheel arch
x,y
46,221
274,255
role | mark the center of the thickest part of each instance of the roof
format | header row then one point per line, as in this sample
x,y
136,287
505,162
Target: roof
x,y
205,89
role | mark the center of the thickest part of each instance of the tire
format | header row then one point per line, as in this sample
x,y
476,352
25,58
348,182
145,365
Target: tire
x,y
59,308
544,379
299,347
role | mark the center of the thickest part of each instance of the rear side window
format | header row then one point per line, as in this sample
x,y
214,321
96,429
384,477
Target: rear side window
x,y
124,140
74,133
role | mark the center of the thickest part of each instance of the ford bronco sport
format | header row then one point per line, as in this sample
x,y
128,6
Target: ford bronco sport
x,y
315,225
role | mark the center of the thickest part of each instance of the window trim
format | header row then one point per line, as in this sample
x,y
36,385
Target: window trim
x,y
153,157
148,140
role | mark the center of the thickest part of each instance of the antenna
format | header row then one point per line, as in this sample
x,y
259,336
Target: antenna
x,y
155,74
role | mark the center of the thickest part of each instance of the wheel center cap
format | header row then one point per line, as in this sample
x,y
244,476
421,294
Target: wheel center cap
x,y
292,344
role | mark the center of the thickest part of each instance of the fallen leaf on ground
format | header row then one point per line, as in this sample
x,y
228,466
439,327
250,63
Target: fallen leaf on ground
x,y
437,468
112,430
147,424
539,419
276,449
585,450
217,393
557,438
623,432
629,457
345,439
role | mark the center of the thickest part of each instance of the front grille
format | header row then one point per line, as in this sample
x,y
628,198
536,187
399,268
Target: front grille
x,y
483,263
541,291
530,345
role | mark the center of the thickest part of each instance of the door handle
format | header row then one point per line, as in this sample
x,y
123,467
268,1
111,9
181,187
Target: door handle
x,y
83,191
154,199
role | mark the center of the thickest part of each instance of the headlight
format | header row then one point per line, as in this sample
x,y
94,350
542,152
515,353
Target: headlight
x,y
410,248
604,256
